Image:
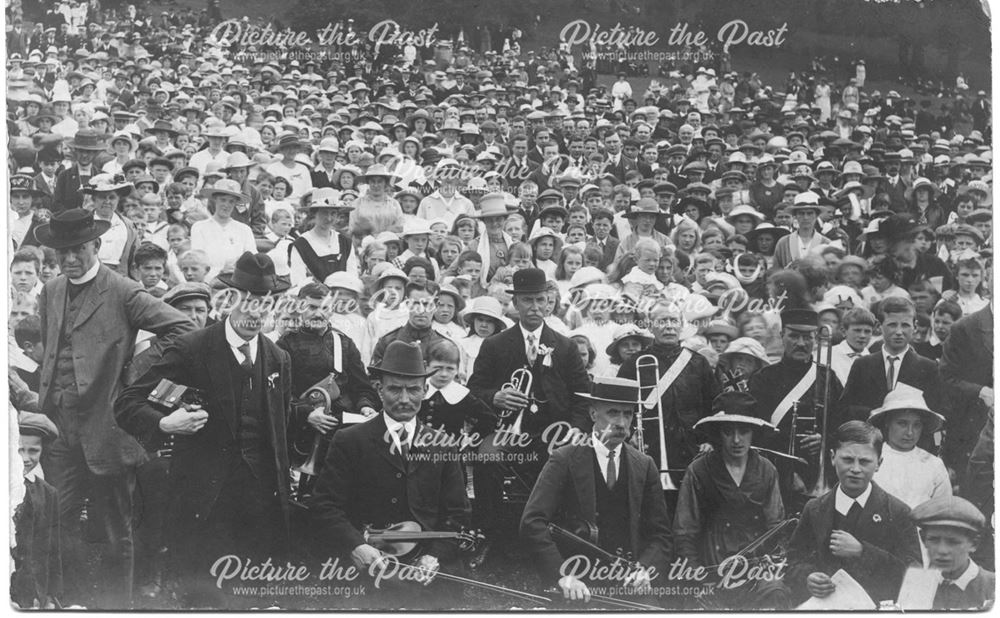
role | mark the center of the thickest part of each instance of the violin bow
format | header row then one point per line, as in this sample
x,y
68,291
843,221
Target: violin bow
x,y
520,594
603,553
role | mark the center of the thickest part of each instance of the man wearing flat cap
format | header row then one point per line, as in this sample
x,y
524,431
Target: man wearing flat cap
x,y
229,491
794,385
951,528
90,317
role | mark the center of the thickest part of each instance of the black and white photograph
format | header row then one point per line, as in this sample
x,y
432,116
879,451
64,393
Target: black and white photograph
x,y
552,306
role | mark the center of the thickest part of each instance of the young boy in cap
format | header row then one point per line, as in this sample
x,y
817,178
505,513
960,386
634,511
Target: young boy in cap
x,y
950,528
37,576
908,472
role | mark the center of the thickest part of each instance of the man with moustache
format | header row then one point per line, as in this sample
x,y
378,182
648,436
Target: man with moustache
x,y
90,316
795,383
373,476
609,484
687,385
229,484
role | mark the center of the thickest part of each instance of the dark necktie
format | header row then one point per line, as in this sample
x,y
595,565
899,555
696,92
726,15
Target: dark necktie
x,y
247,363
891,376
853,515
404,445
612,471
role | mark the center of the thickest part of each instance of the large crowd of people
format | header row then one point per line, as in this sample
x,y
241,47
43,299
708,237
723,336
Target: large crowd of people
x,y
269,307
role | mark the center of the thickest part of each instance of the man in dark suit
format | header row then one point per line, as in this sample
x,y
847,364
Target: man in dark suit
x,y
857,526
326,171
229,469
519,167
48,160
86,145
967,370
604,482
873,376
687,386
372,475
602,221
90,317
617,163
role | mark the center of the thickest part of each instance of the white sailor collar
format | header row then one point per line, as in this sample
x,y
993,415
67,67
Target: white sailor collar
x,y
453,392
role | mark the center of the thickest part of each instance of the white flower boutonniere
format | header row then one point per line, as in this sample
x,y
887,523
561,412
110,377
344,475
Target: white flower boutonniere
x,y
271,379
877,518
546,352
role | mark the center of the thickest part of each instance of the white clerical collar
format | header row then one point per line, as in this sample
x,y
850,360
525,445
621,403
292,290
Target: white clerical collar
x,y
89,275
844,502
453,392
971,573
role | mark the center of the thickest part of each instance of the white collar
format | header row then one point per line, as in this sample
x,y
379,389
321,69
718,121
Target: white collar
x,y
235,341
89,275
37,474
537,333
603,451
393,426
453,392
843,502
971,573
900,355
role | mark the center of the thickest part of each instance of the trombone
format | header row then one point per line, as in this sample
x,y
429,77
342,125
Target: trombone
x,y
648,361
817,423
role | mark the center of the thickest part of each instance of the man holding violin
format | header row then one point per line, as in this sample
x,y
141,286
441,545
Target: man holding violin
x,y
383,472
609,488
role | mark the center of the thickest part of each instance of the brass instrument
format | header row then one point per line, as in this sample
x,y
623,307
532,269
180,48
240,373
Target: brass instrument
x,y
648,361
817,423
307,443
521,381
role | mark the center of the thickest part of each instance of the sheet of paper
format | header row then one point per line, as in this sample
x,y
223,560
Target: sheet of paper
x,y
351,418
918,589
849,596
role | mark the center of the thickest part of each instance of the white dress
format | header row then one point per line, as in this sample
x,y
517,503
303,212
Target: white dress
x,y
914,477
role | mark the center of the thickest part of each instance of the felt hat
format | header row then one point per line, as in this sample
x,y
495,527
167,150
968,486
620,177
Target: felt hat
x,y
402,359
70,228
254,273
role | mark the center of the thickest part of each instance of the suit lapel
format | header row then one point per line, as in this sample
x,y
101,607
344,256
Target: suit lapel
x,y
57,306
635,494
824,524
93,296
275,398
583,479
220,374
382,444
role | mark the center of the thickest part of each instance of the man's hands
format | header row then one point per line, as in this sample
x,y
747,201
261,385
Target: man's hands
x,y
811,442
640,580
509,399
321,421
429,565
184,421
843,545
820,585
365,555
986,394
573,589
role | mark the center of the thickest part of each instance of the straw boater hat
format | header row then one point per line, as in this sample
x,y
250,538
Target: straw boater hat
x,y
807,200
379,171
70,228
645,206
402,359
608,389
327,198
734,408
491,205
254,273
905,397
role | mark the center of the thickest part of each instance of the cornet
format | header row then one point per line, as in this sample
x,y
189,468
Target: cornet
x,y
648,361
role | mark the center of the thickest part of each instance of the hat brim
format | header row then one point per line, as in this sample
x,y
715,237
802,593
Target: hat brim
x,y
211,192
720,418
588,396
645,339
279,285
43,234
491,213
74,145
376,372
878,415
632,214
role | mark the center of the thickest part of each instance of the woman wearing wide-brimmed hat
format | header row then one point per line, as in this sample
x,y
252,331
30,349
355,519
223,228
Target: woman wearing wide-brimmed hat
x,y
322,251
119,243
288,145
730,496
221,237
807,239
376,211
921,199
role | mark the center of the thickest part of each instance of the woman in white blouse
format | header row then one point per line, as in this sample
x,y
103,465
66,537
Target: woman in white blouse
x,y
222,239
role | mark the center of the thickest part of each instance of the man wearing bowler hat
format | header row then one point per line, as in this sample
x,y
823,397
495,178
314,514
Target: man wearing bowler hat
x,y
90,316
229,490
86,145
795,384
373,474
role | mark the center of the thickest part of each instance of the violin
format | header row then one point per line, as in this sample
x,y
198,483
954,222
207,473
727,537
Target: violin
x,y
403,538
